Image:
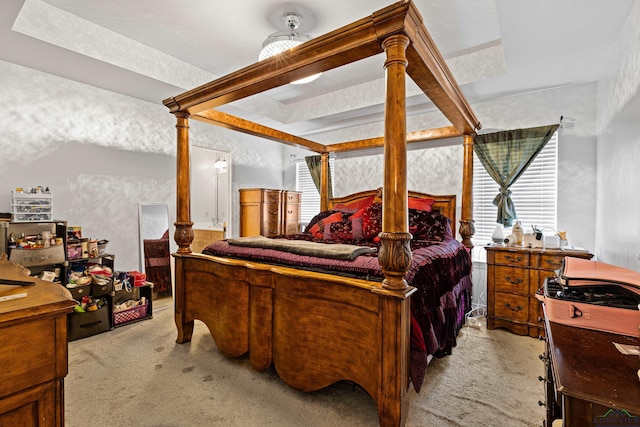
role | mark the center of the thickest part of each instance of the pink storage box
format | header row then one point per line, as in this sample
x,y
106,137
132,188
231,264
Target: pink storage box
x,y
579,274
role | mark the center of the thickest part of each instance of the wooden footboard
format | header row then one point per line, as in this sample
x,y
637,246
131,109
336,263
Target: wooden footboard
x,y
316,329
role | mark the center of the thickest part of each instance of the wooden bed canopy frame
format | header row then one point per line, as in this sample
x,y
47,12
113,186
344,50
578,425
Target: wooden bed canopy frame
x,y
398,32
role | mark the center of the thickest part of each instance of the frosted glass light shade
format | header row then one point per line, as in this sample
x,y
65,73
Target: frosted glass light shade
x,y
282,41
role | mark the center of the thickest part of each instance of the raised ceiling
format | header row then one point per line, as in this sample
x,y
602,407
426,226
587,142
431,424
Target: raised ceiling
x,y
154,49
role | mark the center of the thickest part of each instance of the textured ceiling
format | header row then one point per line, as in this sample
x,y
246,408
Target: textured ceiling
x,y
153,49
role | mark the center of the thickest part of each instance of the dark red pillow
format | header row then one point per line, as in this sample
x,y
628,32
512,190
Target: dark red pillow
x,y
317,230
339,231
430,226
317,218
354,206
371,221
421,204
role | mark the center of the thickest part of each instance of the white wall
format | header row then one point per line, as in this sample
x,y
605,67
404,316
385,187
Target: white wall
x,y
102,153
618,213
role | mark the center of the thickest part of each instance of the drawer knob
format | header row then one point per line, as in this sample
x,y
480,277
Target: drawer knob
x,y
513,259
512,308
513,281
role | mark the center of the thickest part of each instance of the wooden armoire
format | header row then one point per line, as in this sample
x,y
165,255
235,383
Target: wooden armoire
x,y
269,212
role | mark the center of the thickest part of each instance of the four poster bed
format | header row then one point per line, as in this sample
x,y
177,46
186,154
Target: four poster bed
x,y
322,324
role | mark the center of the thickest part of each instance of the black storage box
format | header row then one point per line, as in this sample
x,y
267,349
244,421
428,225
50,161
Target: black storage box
x,y
80,291
101,289
82,325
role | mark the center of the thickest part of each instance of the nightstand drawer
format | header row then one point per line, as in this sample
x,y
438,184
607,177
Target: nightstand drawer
x,y
271,196
291,197
291,214
551,262
271,212
519,259
511,279
512,307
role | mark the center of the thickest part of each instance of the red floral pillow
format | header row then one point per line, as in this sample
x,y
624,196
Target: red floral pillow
x,y
371,221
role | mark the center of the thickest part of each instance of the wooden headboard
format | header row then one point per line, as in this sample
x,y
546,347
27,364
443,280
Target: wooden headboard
x,y
445,204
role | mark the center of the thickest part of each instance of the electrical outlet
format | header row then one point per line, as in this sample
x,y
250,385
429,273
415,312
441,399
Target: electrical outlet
x,y
206,214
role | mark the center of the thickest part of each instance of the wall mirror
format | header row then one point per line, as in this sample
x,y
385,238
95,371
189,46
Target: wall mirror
x,y
155,255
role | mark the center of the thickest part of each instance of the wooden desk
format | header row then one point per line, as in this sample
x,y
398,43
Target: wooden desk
x,y
590,376
33,350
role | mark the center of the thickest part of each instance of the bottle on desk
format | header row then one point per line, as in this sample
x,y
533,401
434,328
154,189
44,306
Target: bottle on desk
x,y
518,233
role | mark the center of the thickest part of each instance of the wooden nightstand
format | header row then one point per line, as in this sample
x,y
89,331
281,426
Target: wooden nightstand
x,y
513,277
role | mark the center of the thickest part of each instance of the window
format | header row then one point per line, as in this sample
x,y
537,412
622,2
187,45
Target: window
x,y
534,195
310,205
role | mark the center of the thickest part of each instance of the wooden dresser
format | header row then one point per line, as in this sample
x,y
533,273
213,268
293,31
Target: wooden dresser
x,y
269,212
33,350
513,277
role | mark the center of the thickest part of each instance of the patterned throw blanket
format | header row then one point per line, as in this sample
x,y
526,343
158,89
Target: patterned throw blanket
x,y
301,247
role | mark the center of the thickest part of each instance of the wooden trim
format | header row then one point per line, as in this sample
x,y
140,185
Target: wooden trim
x,y
184,233
412,137
467,229
430,72
395,253
353,42
231,122
324,182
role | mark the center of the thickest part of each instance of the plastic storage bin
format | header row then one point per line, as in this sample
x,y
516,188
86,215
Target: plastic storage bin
x,y
27,207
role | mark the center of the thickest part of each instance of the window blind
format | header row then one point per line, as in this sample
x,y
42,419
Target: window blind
x,y
310,204
534,195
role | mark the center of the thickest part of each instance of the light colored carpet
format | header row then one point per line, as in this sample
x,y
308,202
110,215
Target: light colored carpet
x,y
138,375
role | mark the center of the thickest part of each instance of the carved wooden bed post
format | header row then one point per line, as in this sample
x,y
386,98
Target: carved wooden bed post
x,y
395,253
467,228
324,182
184,233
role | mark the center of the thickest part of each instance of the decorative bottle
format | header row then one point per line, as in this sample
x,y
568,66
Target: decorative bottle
x,y
518,233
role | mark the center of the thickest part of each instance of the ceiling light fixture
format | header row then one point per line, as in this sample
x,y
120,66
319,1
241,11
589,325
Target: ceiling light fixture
x,y
282,41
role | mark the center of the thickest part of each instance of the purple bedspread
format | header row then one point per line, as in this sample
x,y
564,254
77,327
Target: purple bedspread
x,y
440,271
